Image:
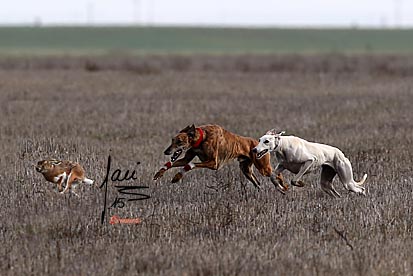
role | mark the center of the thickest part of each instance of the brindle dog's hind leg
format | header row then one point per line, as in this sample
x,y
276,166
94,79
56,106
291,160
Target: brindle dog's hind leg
x,y
246,168
278,180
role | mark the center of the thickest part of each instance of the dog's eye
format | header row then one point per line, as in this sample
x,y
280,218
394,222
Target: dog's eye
x,y
266,142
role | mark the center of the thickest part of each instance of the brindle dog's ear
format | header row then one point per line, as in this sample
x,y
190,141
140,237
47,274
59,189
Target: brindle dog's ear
x,y
191,131
186,129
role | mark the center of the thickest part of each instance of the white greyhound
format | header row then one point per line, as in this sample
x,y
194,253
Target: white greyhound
x,y
300,157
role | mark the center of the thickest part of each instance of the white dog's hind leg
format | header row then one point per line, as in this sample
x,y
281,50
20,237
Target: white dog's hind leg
x,y
326,180
345,173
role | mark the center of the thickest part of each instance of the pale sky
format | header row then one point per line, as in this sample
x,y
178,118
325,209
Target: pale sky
x,y
363,13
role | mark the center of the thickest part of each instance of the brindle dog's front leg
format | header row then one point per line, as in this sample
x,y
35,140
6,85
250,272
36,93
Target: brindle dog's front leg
x,y
212,163
189,155
278,180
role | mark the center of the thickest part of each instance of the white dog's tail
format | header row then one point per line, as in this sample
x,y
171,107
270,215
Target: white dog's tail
x,y
88,181
361,182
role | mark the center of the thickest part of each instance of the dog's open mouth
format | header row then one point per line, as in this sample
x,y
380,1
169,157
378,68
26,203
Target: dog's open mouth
x,y
262,153
176,155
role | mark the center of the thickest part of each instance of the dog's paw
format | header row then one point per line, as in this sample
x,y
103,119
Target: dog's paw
x,y
284,185
159,174
298,183
177,177
282,189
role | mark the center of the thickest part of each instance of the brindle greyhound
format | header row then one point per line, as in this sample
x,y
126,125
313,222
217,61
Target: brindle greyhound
x,y
215,146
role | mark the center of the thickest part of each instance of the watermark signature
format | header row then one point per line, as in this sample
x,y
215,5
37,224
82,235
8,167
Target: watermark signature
x,y
117,220
125,193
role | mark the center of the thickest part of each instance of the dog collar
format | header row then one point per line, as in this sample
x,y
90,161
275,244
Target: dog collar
x,y
200,139
279,143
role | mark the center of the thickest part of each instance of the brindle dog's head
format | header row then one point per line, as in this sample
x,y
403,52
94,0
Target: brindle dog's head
x,y
181,142
45,166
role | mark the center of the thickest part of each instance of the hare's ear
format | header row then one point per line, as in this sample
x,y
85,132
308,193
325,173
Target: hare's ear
x,y
271,132
55,162
281,133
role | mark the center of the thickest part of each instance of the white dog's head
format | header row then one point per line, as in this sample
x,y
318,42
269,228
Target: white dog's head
x,y
267,143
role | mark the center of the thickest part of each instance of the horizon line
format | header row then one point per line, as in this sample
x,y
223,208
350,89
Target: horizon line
x,y
208,26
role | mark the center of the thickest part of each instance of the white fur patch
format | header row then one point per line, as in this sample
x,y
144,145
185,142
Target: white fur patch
x,y
56,178
88,181
191,166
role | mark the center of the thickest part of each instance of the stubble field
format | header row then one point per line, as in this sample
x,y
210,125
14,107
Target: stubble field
x,y
213,222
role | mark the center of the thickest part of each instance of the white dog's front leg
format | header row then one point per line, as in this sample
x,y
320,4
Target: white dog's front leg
x,y
305,167
279,169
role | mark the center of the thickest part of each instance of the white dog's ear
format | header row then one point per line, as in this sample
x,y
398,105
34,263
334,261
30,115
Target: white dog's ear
x,y
271,132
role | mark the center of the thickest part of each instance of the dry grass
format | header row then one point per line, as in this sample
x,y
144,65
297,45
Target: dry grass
x,y
212,223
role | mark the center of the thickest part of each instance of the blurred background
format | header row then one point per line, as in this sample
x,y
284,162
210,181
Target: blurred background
x,y
262,13
160,26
